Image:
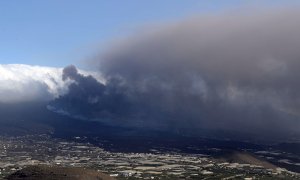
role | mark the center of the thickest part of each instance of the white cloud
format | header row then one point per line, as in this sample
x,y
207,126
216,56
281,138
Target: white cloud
x,y
20,82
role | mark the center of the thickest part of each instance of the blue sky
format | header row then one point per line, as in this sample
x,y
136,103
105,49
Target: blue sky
x,y
62,32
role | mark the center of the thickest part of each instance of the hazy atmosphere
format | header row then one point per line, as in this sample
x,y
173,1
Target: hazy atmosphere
x,y
200,69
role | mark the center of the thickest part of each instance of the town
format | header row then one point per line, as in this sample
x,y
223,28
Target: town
x,y
19,152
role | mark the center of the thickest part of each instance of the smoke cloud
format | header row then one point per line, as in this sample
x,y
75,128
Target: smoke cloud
x,y
234,71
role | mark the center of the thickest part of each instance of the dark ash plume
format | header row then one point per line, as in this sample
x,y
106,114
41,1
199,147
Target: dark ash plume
x,y
89,99
231,72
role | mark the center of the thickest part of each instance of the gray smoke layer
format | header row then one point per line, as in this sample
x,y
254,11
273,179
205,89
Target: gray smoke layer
x,y
233,71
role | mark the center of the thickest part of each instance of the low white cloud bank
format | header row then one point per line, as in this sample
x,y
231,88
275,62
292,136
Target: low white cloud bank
x,y
20,83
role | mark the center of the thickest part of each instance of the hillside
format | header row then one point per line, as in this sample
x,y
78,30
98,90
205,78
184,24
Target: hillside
x,y
57,173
